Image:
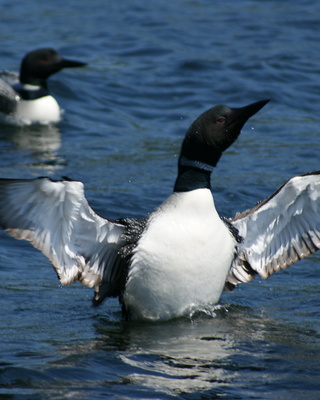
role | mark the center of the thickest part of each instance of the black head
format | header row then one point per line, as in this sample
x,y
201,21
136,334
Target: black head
x,y
214,131
38,65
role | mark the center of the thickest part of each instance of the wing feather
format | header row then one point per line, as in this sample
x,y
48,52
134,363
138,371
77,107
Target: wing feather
x,y
56,218
279,231
8,96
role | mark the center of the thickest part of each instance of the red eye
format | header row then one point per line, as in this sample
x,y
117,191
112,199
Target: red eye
x,y
44,59
221,120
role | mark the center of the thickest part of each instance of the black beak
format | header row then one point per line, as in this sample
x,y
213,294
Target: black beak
x,y
65,63
244,113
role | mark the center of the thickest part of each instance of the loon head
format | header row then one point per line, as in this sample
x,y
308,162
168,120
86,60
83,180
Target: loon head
x,y
205,141
38,65
214,131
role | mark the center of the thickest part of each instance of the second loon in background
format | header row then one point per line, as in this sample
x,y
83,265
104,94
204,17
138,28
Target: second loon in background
x,y
24,97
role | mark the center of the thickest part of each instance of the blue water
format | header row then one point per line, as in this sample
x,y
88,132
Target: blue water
x,y
152,68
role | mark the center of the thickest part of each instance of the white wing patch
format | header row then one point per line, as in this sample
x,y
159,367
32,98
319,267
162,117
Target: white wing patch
x,y
279,231
57,219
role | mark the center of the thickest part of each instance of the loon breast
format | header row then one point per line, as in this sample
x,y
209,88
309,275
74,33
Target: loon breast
x,y
181,261
43,110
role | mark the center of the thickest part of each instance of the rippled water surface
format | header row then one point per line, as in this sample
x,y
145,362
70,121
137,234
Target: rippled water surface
x,y
152,68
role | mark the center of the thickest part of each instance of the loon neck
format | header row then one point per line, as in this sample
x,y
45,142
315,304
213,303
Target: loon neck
x,y
31,92
192,175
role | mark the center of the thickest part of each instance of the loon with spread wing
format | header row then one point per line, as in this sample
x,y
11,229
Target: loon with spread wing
x,y
180,258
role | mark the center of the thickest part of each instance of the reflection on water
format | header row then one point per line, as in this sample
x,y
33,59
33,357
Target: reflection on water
x,y
208,354
185,357
236,351
216,356
40,142
38,139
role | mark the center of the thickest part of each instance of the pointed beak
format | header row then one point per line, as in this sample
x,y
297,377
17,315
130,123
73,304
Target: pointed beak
x,y
238,117
65,63
244,113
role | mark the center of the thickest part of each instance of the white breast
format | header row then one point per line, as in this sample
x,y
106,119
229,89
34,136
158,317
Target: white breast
x,y
43,110
181,261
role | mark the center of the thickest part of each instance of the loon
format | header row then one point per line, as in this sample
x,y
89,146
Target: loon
x,y
24,97
181,257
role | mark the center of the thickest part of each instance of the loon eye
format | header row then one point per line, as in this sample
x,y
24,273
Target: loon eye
x,y
44,58
220,120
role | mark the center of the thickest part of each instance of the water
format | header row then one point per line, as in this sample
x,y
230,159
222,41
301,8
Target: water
x,y
153,68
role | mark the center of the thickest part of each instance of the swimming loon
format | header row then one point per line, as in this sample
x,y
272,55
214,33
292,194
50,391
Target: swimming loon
x,y
24,97
180,258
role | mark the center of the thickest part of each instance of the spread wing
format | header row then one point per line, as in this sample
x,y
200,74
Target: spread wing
x,y
8,96
279,231
57,219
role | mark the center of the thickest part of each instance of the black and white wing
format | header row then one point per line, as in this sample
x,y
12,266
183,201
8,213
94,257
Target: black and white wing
x,y
8,96
57,219
279,231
